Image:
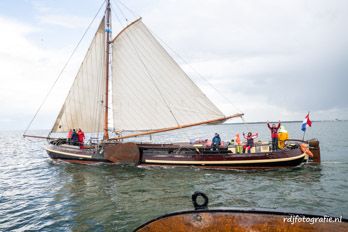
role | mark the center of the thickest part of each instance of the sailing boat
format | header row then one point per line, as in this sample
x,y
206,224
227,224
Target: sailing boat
x,y
150,94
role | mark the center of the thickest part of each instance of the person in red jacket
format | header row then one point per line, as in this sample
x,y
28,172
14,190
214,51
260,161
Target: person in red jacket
x,y
274,135
81,136
69,136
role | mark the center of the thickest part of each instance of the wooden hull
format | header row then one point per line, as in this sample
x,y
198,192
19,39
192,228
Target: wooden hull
x,y
222,159
242,221
177,155
74,154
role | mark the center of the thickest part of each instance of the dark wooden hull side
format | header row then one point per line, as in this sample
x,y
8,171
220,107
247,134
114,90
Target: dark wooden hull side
x,y
71,159
73,155
278,159
239,221
285,164
163,156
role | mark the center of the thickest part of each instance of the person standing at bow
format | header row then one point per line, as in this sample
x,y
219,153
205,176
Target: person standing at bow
x,y
274,135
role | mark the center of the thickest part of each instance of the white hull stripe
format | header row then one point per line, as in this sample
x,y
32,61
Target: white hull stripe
x,y
69,154
225,162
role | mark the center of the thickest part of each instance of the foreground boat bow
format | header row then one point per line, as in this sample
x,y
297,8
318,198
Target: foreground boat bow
x,y
240,220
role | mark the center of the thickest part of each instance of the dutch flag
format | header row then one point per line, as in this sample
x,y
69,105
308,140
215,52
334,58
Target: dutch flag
x,y
306,122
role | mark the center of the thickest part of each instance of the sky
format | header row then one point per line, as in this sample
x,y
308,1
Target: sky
x,y
272,60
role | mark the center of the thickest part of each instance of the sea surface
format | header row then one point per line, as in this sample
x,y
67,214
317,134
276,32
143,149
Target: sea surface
x,y
37,193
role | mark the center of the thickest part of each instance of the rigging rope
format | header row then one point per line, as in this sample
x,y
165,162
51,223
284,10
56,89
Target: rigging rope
x,y
203,78
124,16
130,10
61,72
153,81
193,69
116,15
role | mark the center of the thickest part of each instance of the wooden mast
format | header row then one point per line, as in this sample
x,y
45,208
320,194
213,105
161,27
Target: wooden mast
x,y
178,127
107,69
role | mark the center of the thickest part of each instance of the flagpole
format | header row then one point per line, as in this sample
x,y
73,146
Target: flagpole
x,y
304,132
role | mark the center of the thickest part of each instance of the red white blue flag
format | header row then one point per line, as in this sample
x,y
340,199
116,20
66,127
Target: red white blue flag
x,y
306,122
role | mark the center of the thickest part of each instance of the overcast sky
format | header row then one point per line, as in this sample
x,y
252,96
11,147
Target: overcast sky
x,y
272,60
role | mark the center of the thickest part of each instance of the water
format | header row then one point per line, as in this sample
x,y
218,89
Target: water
x,y
37,193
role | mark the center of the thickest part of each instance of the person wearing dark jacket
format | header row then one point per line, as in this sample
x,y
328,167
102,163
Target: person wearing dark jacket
x,y
74,138
216,142
274,135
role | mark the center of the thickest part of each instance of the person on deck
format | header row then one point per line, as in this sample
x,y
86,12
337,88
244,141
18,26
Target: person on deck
x,y
80,136
238,144
69,136
249,141
274,135
216,142
74,138
283,135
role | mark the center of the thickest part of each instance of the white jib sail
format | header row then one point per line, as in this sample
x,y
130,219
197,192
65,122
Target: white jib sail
x,y
149,89
84,106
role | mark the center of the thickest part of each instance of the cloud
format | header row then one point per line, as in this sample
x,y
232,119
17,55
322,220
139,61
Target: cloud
x,y
27,72
56,17
279,57
67,21
270,59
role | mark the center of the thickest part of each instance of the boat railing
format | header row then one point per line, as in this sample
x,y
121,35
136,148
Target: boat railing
x,y
296,140
94,140
259,146
90,144
59,141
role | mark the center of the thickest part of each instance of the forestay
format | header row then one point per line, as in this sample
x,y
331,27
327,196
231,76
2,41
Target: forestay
x,y
149,89
84,105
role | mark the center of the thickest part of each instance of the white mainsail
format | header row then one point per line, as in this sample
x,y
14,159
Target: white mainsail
x,y
149,89
84,105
